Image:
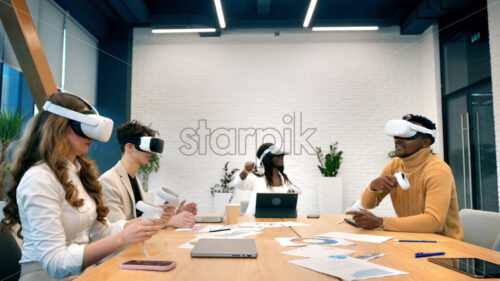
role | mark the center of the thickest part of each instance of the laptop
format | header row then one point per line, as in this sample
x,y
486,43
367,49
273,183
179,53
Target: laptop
x,y
276,205
208,219
224,248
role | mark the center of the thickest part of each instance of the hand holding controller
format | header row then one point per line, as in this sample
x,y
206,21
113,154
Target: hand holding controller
x,y
402,180
165,196
149,212
355,207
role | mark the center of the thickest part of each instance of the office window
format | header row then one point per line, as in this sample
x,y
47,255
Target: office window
x,y
15,91
70,51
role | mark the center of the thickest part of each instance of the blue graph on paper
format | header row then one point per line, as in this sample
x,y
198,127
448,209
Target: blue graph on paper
x,y
374,272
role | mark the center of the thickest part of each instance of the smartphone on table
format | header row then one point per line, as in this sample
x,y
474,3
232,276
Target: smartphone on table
x,y
351,222
149,265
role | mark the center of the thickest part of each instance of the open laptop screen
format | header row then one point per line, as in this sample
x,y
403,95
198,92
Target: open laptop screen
x,y
276,205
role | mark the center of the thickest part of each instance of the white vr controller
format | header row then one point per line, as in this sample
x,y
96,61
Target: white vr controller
x,y
149,212
402,180
165,196
355,207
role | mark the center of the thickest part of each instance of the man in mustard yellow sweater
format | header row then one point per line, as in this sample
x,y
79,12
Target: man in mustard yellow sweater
x,y
430,203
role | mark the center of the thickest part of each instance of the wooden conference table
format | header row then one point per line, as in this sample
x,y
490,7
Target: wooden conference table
x,y
272,265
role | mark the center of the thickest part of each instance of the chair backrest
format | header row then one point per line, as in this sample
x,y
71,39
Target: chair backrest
x,y
10,255
481,228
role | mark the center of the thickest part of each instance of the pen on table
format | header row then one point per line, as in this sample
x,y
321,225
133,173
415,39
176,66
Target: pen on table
x,y
419,241
421,255
217,230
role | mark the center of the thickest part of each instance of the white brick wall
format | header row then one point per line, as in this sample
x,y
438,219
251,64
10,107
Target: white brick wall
x,y
494,29
346,85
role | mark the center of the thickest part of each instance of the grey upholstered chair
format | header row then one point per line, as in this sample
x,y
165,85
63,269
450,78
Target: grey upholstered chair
x,y
481,228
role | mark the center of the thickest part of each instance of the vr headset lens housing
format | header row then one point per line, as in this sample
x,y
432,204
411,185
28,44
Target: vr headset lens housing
x,y
146,144
87,124
150,144
406,130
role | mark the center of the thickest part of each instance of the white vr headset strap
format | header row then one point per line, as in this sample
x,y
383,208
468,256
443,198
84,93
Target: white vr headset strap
x,y
70,114
422,129
259,167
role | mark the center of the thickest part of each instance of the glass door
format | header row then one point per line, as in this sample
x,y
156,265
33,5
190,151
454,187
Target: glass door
x,y
482,138
470,146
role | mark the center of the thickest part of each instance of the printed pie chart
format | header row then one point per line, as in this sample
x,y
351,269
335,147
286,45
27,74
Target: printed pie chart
x,y
314,241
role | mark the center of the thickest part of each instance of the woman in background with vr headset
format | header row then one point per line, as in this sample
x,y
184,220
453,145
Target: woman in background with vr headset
x,y
59,201
266,175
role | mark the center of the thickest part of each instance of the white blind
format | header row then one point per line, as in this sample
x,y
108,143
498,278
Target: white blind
x,y
8,53
6,50
50,30
81,62
2,40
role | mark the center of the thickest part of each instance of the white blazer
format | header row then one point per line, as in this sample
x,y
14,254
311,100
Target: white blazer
x,y
55,233
118,194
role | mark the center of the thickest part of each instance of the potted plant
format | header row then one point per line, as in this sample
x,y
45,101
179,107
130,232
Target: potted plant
x,y
10,127
145,171
330,186
223,190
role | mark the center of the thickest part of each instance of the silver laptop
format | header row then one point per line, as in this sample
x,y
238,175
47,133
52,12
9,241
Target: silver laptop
x,y
213,219
224,248
208,219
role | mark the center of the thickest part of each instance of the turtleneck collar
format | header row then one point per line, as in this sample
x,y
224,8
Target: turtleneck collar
x,y
416,159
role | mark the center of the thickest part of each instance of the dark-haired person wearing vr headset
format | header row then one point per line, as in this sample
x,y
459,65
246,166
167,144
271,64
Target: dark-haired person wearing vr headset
x,y
121,187
55,196
266,175
430,203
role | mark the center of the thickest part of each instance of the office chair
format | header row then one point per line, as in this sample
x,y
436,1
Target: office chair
x,y
481,228
9,257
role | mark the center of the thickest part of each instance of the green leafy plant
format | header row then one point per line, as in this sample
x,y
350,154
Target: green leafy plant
x,y
329,163
391,154
10,127
146,170
227,178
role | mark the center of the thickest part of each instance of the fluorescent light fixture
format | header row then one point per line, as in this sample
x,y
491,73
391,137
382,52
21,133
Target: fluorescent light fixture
x,y
184,30
220,13
344,28
310,11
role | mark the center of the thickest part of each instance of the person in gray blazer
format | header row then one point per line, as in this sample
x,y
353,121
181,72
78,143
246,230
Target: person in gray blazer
x,y
122,188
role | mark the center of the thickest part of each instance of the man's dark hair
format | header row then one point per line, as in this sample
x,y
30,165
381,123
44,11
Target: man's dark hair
x,y
132,129
423,121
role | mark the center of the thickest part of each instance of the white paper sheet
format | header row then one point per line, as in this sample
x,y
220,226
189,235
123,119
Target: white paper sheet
x,y
273,224
301,242
357,237
347,268
201,227
315,251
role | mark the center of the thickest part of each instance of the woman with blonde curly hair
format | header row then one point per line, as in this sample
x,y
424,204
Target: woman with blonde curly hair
x,y
56,198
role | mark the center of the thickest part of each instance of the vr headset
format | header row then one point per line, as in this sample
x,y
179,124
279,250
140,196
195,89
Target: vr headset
x,y
273,150
86,124
146,144
406,130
